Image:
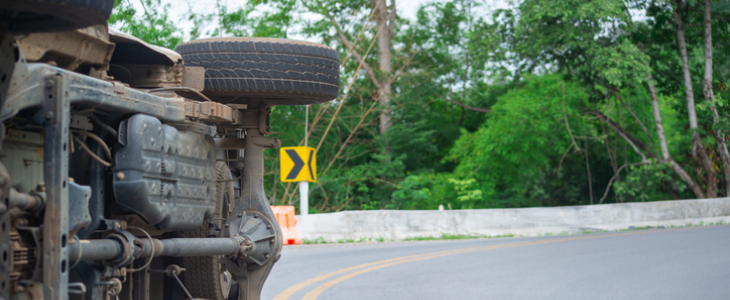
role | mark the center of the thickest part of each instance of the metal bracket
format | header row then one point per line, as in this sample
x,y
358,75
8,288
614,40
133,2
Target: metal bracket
x,y
55,173
211,111
266,141
264,119
126,240
251,205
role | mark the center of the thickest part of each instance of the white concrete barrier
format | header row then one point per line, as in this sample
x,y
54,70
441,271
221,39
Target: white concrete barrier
x,y
400,224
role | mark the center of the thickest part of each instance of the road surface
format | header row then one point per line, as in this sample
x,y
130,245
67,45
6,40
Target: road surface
x,y
678,263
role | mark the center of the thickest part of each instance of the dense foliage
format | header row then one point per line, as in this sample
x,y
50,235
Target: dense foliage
x,y
542,103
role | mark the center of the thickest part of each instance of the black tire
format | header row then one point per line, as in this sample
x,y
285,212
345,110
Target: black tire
x,y
203,273
25,16
283,72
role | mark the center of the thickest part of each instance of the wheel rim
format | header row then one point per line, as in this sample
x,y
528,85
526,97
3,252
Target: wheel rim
x,y
226,282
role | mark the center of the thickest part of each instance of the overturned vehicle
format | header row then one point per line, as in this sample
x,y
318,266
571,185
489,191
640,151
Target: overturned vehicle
x,y
130,171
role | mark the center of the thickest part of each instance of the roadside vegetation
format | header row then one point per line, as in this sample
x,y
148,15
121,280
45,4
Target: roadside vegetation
x,y
540,103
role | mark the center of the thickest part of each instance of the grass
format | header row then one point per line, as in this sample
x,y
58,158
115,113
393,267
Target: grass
x,y
321,240
448,236
444,236
721,222
632,228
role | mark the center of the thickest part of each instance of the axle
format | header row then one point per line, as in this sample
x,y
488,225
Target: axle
x,y
119,249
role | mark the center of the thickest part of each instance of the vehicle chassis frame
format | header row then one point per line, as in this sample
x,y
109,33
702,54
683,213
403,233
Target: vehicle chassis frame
x,y
52,92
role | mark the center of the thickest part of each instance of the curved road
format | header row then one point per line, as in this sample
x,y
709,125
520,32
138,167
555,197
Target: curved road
x,y
680,263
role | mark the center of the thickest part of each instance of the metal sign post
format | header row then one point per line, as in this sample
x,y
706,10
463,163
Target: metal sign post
x,y
304,185
304,198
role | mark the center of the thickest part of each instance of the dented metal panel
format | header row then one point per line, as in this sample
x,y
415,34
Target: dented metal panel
x,y
70,49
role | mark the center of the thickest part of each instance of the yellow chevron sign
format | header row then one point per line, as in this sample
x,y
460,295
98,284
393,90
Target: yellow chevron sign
x,y
298,164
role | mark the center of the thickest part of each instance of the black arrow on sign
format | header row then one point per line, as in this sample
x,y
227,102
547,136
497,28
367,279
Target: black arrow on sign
x,y
309,164
298,164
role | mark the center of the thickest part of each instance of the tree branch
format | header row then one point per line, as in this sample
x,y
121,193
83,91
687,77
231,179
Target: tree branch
x,y
588,170
360,59
611,155
560,163
352,133
636,144
608,187
477,109
622,132
567,125
349,88
146,13
364,25
648,136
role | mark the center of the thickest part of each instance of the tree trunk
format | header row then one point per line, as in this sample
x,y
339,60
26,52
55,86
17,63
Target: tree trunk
x,y
710,97
699,150
663,143
658,119
385,22
588,170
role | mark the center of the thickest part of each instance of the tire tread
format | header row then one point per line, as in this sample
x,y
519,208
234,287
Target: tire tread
x,y
56,15
294,71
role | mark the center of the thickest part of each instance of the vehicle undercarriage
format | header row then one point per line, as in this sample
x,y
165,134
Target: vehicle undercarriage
x,y
129,171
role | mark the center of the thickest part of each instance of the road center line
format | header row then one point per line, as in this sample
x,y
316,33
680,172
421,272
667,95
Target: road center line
x,y
368,267
295,288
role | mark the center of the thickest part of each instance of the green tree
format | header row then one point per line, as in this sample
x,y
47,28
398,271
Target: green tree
x,y
525,141
151,24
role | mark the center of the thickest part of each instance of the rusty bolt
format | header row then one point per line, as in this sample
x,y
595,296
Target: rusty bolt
x,y
117,226
41,187
120,176
248,242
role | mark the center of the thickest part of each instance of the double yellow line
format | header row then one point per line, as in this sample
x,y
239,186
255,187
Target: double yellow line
x,y
368,267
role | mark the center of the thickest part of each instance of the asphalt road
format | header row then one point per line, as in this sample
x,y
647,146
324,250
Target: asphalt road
x,y
679,263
